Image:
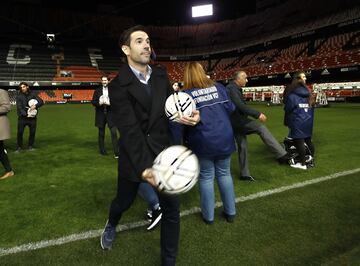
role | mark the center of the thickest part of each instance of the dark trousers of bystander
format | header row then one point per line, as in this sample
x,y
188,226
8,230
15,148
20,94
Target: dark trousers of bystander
x,y
22,123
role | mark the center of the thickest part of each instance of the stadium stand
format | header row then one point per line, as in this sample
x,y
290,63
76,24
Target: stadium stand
x,y
286,20
330,53
276,40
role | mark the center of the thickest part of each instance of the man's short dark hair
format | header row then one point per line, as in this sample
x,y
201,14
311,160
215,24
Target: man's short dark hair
x,y
23,83
125,35
104,77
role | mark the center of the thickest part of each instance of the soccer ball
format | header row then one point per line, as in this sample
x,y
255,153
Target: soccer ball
x,y
32,102
31,113
176,170
104,100
179,104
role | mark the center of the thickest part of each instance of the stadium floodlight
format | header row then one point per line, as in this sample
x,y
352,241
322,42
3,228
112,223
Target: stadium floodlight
x,y
202,11
50,38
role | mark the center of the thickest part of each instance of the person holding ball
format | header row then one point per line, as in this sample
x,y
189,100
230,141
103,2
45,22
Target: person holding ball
x,y
212,140
27,104
138,95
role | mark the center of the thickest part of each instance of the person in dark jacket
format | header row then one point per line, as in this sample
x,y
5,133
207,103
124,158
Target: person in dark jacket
x,y
299,118
138,94
27,103
103,115
212,140
243,126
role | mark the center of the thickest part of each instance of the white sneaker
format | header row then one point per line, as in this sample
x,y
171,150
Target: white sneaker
x,y
299,166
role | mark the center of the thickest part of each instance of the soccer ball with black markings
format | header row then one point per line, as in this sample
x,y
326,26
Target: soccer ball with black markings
x,y
176,170
179,104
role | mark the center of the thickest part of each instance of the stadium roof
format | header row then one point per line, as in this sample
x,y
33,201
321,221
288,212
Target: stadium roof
x,y
167,12
152,12
77,21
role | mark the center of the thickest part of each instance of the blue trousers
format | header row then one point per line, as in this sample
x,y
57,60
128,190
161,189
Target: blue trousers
x,y
209,169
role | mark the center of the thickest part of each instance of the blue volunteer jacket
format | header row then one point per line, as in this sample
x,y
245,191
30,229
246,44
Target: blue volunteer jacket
x,y
299,115
213,136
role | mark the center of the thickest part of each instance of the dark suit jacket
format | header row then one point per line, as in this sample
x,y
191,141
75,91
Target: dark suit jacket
x,y
22,100
239,117
140,119
103,113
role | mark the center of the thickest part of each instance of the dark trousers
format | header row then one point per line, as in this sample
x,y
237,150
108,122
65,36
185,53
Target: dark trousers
x,y
114,140
170,223
300,148
22,123
4,158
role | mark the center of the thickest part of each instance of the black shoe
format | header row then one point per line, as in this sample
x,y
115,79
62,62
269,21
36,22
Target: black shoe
x,y
18,150
103,153
247,178
148,215
229,218
155,218
207,221
31,148
310,165
284,159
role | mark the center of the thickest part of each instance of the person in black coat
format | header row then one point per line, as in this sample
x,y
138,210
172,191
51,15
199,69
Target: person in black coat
x,y
243,126
27,103
103,116
138,94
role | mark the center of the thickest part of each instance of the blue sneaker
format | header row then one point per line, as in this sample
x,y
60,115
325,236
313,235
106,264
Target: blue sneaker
x,y
108,236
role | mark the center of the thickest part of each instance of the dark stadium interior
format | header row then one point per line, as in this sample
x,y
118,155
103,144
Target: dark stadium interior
x,y
263,37
106,116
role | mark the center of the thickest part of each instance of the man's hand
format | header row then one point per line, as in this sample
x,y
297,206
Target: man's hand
x,y
191,120
262,118
33,107
149,177
107,101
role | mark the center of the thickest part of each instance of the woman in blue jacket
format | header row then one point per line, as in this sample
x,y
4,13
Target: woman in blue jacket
x,y
212,140
299,117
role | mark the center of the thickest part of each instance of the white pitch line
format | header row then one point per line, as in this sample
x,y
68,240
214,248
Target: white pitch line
x,y
129,226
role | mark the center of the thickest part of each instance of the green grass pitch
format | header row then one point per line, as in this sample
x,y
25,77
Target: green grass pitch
x,y
65,187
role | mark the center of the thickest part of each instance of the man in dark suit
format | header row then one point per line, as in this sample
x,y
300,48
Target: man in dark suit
x,y
138,96
27,104
243,126
103,116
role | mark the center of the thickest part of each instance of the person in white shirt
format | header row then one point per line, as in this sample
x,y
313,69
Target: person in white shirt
x,y
103,116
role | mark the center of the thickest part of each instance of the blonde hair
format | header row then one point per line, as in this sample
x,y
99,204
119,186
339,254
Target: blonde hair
x,y
195,77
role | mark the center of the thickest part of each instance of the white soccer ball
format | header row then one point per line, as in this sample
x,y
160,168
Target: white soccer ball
x,y
32,102
176,170
32,113
179,104
104,100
